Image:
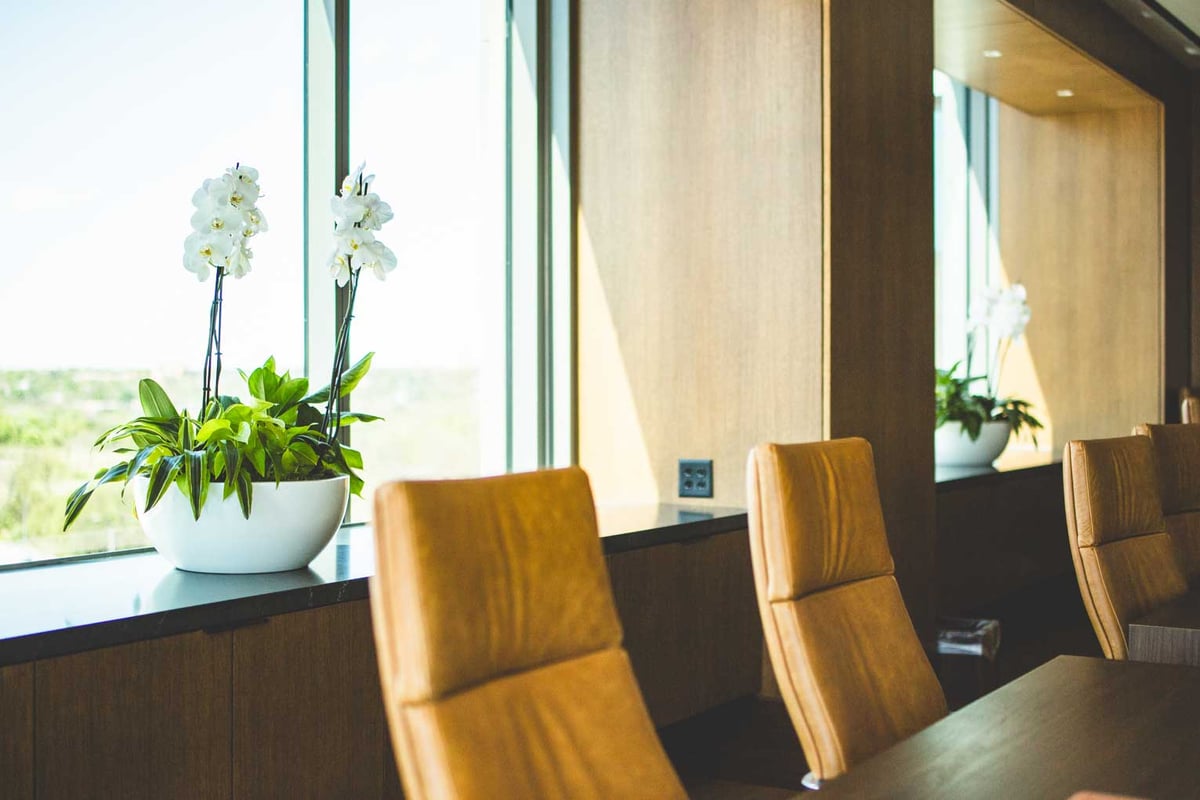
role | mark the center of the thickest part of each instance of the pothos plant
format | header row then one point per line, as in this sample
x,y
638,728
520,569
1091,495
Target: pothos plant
x,y
282,432
1003,313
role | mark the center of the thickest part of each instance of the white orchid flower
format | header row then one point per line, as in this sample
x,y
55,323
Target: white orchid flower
x,y
204,250
377,257
339,267
352,240
213,192
348,210
239,262
245,185
253,221
218,219
352,182
375,212
1003,312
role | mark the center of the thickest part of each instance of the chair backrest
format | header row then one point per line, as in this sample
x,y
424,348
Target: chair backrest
x,y
1189,405
499,644
1177,452
1124,559
850,667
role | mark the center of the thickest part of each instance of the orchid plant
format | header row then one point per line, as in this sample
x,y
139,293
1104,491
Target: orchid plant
x,y
281,433
998,315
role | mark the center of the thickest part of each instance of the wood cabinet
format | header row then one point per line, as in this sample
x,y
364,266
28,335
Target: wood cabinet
x,y
144,720
16,731
307,709
691,623
289,707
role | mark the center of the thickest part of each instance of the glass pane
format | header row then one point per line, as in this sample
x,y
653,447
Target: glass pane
x,y
427,114
951,203
124,110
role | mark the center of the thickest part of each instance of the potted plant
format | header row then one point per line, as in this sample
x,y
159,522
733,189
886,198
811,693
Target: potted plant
x,y
973,428
262,485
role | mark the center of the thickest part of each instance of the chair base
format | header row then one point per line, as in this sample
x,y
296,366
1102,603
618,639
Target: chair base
x,y
810,781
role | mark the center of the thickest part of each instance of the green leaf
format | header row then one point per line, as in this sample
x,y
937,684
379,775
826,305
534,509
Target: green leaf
x,y
162,475
353,457
350,379
357,416
155,401
195,474
245,493
213,426
80,496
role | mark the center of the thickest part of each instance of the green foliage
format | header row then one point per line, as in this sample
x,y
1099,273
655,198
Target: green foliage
x,y
275,437
957,403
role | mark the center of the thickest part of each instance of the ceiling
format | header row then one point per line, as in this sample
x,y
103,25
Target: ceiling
x,y
1172,24
992,47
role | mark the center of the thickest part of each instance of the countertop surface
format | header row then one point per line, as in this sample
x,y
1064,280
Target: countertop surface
x,y
69,606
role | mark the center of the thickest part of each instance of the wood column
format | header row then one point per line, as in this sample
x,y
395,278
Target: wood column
x,y
879,265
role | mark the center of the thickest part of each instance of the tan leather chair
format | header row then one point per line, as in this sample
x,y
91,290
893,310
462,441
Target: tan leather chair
x,y
1189,405
499,645
1124,560
850,667
1177,451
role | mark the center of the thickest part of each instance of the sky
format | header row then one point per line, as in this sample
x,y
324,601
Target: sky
x,y
115,112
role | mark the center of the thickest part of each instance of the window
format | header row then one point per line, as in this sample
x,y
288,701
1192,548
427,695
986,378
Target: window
x,y
98,177
450,103
965,214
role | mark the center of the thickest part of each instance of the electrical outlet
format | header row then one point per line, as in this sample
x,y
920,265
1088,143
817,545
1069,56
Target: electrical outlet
x,y
695,477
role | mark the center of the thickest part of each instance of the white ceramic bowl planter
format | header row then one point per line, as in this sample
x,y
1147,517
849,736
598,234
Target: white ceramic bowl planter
x,y
952,447
288,525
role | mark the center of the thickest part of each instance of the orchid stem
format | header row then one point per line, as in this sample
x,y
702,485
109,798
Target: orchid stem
x,y
212,379
331,422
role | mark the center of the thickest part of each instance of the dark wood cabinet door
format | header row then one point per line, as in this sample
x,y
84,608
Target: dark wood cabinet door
x,y
691,623
307,710
16,732
144,720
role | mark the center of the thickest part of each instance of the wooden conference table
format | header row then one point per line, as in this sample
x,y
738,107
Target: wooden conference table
x,y
1073,724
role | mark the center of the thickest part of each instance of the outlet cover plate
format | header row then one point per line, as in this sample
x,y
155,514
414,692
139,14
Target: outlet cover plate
x,y
695,477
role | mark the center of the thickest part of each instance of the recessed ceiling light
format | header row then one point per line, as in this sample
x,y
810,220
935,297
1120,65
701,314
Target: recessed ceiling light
x,y
1192,50
1065,93
1147,13
992,54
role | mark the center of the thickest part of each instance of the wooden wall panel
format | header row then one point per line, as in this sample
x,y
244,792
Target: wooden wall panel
x,y
699,237
1103,34
691,623
145,720
1080,225
879,178
16,732
308,713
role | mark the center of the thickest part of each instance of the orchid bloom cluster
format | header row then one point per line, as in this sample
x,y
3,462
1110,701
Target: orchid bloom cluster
x,y
357,213
1003,313
226,218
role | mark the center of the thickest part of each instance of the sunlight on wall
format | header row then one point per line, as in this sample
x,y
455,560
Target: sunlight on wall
x,y
612,446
